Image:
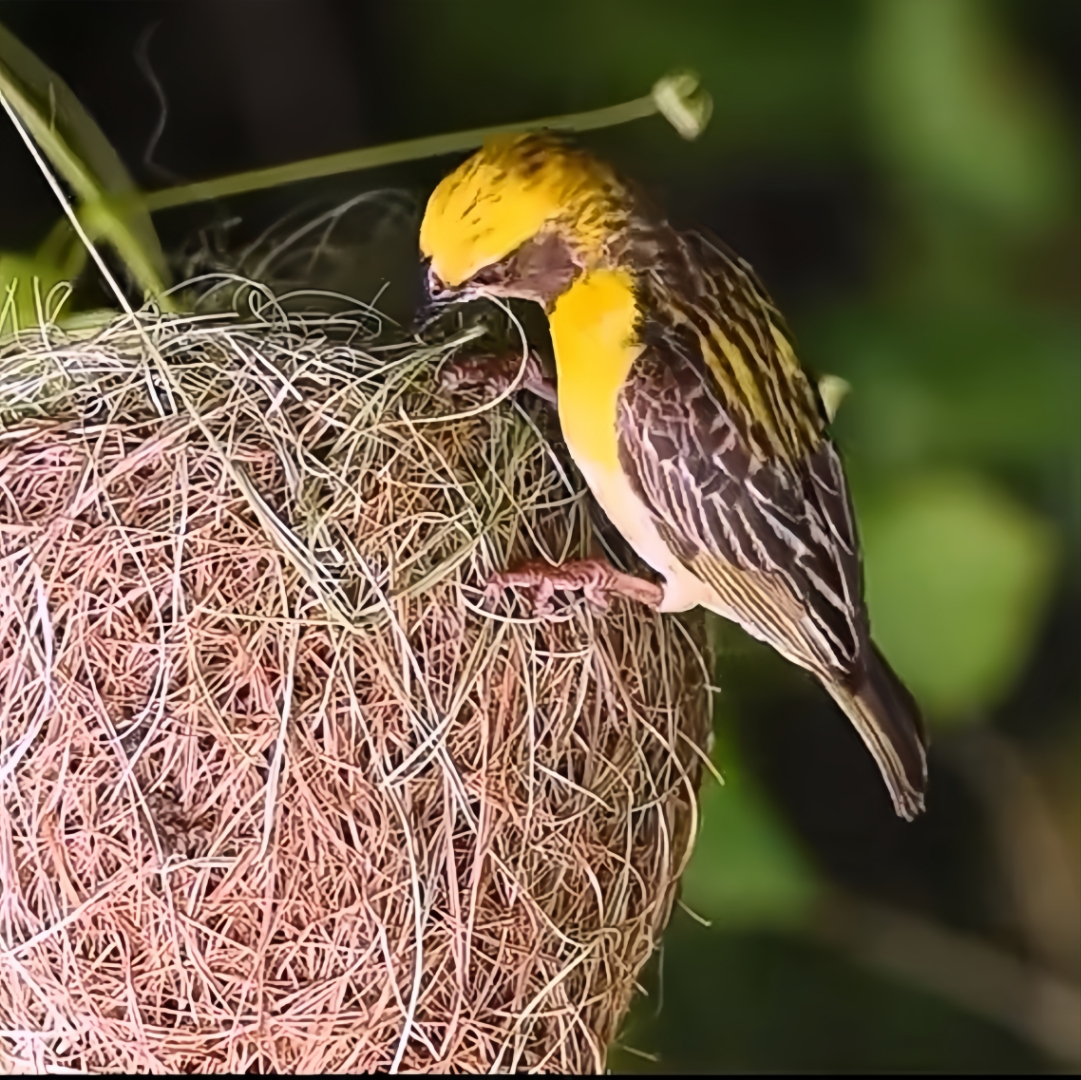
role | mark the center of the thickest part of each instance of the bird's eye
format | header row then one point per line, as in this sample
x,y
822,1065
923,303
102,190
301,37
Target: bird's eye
x,y
488,275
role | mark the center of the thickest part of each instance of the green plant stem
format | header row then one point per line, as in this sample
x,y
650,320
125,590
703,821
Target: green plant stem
x,y
390,154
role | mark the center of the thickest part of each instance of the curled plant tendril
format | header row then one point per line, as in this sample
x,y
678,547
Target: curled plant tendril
x,y
683,102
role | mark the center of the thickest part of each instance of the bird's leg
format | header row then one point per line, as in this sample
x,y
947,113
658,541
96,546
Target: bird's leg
x,y
496,374
596,579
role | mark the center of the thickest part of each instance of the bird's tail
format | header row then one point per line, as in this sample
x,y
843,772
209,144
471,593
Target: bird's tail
x,y
888,719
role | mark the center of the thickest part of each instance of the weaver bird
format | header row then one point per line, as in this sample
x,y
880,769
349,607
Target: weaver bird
x,y
683,405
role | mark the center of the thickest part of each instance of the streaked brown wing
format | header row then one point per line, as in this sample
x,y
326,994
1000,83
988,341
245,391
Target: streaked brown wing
x,y
727,326
772,533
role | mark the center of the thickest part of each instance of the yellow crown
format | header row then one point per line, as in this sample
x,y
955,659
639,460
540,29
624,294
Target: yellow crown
x,y
508,192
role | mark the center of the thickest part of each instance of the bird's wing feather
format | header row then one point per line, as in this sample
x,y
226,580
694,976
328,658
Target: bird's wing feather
x,y
753,500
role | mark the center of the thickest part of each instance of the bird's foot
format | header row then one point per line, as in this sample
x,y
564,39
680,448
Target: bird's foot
x,y
497,374
597,579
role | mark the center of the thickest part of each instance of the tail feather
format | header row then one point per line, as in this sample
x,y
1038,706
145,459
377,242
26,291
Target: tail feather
x,y
888,719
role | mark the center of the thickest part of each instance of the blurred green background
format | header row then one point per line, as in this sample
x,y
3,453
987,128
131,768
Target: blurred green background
x,y
904,176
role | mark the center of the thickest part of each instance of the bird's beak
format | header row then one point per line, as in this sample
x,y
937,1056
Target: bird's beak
x,y
436,291
437,297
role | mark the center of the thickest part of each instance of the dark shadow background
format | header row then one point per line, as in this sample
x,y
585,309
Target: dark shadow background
x,y
903,174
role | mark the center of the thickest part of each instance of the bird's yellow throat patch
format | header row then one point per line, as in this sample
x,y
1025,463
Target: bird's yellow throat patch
x,y
593,335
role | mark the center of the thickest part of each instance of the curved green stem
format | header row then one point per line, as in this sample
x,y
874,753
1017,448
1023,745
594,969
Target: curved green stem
x,y
677,96
389,154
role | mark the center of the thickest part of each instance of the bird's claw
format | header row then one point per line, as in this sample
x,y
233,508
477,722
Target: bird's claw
x,y
495,375
597,581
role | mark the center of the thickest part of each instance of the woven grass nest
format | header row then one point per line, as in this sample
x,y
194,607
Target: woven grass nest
x,y
279,792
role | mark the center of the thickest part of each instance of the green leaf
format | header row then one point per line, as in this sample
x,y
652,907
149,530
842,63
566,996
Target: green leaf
x,y
1001,386
111,206
28,283
24,284
958,577
747,869
953,110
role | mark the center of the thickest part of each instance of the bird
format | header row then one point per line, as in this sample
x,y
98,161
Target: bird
x,y
683,405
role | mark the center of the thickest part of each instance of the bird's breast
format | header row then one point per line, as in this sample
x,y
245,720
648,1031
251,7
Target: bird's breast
x,y
594,337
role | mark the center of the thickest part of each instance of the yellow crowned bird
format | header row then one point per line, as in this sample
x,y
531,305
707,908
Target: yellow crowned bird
x,y
683,405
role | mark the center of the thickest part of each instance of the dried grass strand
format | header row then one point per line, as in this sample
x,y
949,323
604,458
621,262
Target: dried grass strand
x,y
278,792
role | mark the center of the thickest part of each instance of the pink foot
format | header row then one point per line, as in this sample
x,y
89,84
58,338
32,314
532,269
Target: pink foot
x,y
596,579
496,374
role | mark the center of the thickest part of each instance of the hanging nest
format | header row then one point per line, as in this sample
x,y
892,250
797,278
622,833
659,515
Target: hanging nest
x,y
279,792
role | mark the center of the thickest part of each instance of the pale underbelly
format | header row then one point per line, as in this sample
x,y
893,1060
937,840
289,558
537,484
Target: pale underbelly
x,y
682,589
617,498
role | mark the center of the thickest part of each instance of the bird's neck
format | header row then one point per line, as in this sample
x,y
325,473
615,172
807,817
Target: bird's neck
x,y
593,325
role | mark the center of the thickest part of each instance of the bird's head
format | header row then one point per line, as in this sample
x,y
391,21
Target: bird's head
x,y
522,217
